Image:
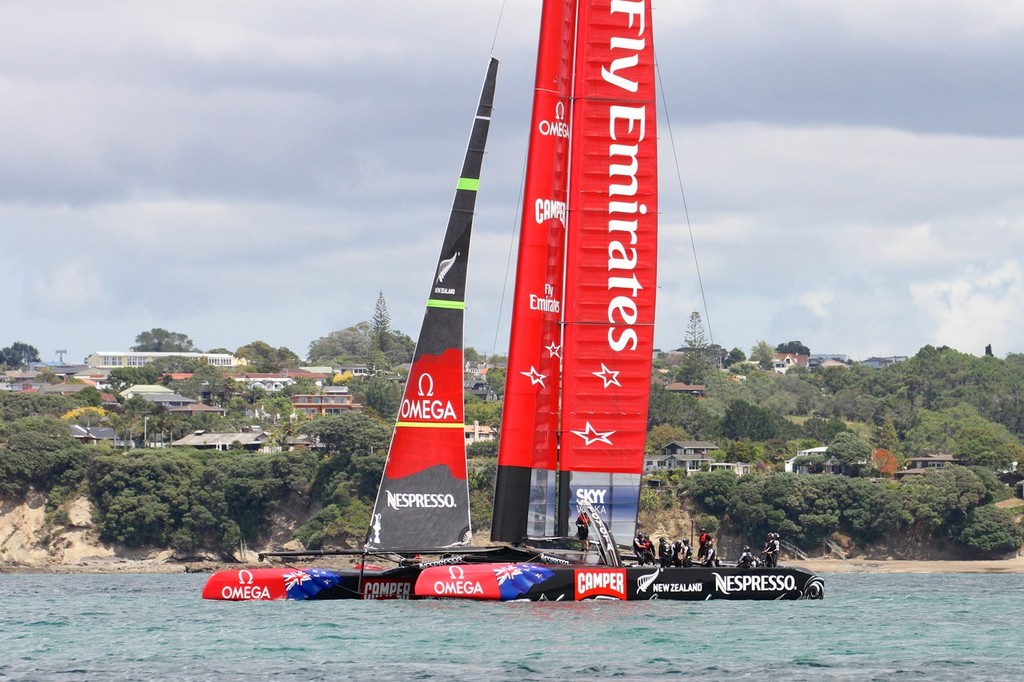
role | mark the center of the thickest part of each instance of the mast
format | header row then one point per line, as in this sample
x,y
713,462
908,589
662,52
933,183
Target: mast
x,y
423,498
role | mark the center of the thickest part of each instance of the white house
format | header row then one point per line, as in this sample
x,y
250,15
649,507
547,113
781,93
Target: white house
x,y
688,455
794,467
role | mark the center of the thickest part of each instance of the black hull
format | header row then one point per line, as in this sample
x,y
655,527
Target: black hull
x,y
635,584
683,584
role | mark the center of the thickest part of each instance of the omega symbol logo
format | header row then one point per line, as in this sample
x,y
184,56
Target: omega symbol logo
x,y
242,575
425,386
456,573
560,111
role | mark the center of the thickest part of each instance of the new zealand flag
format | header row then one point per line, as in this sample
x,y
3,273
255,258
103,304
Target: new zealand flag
x,y
517,579
306,583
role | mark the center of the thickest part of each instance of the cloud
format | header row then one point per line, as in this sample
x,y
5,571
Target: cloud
x,y
260,171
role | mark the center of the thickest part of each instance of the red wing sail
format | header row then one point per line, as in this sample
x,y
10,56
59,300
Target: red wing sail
x,y
527,454
594,319
611,260
423,499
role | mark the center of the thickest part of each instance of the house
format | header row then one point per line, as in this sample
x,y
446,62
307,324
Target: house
x,y
332,400
91,435
814,360
139,390
252,440
882,363
783,361
738,468
830,465
696,390
63,389
195,409
168,400
793,465
272,382
688,455
919,465
479,434
115,359
354,370
481,389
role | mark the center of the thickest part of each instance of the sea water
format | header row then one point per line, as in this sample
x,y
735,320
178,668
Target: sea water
x,y
868,627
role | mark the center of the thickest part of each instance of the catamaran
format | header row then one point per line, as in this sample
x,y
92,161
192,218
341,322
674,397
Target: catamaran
x,y
574,419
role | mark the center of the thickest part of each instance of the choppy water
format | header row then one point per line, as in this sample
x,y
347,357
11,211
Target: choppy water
x,y
869,627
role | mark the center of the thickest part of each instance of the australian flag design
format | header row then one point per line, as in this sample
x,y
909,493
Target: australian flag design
x,y
306,583
515,580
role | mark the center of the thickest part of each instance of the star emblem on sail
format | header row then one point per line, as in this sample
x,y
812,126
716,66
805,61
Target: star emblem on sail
x,y
535,377
554,350
591,435
610,377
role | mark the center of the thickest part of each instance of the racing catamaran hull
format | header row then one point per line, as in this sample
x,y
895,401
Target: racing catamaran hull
x,y
521,581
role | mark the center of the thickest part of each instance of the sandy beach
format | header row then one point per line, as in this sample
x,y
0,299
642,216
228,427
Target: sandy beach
x,y
1015,565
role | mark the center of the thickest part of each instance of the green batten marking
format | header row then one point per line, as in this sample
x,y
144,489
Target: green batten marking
x,y
451,305
430,425
472,184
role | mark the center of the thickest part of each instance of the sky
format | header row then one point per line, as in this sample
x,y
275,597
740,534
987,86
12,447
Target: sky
x,y
845,174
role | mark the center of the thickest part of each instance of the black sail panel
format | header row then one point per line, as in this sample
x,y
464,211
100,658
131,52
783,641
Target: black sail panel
x,y
423,500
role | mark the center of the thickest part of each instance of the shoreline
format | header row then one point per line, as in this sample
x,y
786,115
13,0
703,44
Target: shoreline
x,y
1008,566
824,566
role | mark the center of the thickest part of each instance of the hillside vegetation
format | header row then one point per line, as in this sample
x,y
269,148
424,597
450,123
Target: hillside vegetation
x,y
939,401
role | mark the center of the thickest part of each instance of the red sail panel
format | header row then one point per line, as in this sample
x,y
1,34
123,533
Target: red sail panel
x,y
612,242
528,446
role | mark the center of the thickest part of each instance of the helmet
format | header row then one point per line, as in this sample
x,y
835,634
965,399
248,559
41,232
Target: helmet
x,y
746,548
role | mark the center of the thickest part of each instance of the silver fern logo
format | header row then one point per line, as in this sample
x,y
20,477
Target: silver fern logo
x,y
445,266
645,581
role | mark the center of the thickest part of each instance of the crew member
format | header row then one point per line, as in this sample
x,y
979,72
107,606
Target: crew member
x,y
704,539
638,547
710,556
583,530
776,549
746,559
664,552
648,549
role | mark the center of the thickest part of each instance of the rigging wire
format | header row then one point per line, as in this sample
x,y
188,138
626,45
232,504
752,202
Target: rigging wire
x,y
686,210
514,242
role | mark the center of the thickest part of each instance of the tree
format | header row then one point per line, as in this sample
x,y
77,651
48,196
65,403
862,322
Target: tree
x,y
265,358
18,354
734,356
884,462
661,435
763,354
380,325
745,421
496,380
159,340
382,395
851,452
121,378
695,362
793,347
990,530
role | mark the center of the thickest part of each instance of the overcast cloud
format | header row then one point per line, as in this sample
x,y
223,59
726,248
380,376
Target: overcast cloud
x,y
241,171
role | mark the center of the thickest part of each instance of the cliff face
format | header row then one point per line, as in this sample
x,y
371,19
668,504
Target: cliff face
x,y
26,541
